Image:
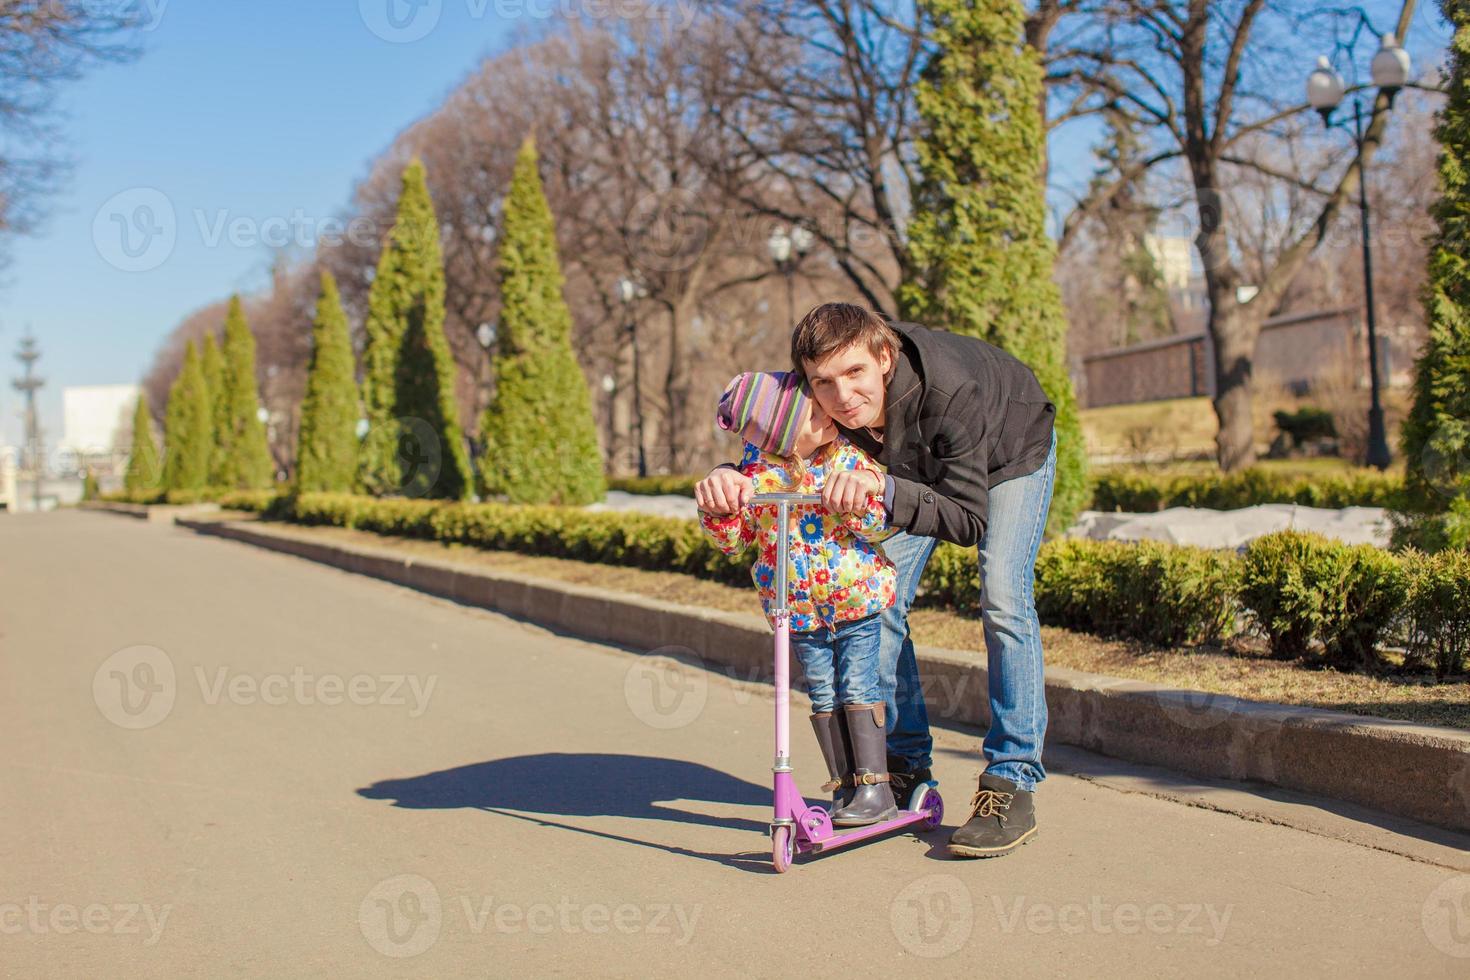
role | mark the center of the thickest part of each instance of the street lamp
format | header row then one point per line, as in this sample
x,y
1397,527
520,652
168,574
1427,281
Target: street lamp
x,y
629,291
786,249
1325,90
610,389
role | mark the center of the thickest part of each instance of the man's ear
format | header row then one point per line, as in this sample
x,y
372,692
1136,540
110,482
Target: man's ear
x,y
885,364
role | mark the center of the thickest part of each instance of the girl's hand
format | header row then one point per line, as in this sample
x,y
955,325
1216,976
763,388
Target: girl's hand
x,y
847,491
723,492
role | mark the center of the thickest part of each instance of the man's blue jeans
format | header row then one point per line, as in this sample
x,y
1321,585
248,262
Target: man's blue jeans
x,y
1007,556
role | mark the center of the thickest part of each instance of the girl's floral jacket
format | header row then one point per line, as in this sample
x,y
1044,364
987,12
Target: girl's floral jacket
x,y
835,575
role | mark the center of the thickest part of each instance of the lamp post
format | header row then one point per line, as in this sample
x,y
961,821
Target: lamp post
x,y
610,389
486,333
1325,90
786,250
628,292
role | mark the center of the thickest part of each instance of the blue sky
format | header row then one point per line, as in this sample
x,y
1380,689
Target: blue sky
x,y
238,109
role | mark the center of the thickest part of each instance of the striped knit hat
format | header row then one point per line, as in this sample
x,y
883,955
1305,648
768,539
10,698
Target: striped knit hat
x,y
767,408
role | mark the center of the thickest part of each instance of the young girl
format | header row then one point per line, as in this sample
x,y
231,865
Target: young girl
x,y
838,583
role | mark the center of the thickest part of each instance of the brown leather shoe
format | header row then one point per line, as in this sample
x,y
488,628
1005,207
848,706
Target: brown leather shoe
x,y
1002,818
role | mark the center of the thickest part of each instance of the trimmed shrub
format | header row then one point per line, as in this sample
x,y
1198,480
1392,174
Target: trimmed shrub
x,y
1437,610
682,486
1305,588
540,433
1164,594
1140,491
1306,424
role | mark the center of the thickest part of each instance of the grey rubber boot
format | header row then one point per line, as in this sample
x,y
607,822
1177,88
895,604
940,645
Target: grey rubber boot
x,y
831,731
872,800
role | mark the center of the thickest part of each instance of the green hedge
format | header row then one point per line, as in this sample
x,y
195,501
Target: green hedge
x,y
1146,590
1311,597
1135,490
681,485
1139,491
1438,609
1304,588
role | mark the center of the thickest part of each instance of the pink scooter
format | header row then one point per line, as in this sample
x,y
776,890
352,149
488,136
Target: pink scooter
x,y
799,827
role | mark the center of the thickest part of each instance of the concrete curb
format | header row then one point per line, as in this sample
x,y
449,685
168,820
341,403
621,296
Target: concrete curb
x,y
153,513
1417,771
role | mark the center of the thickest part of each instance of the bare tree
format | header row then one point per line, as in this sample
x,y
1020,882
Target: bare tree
x,y
1205,81
44,43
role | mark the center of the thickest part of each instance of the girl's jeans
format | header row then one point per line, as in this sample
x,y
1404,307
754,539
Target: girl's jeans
x,y
847,655
1007,555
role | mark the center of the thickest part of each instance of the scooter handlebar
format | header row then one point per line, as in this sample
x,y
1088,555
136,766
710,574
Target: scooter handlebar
x,y
790,498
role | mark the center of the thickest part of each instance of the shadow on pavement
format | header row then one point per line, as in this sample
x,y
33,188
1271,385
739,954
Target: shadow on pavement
x,y
588,785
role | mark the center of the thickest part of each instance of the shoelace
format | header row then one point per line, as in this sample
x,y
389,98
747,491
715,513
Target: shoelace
x,y
989,803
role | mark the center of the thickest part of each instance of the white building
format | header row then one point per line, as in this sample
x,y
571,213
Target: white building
x,y
98,423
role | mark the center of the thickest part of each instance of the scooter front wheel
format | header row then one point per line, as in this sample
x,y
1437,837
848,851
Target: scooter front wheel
x,y
783,848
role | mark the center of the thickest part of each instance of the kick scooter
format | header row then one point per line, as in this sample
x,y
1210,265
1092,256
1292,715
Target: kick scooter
x,y
799,827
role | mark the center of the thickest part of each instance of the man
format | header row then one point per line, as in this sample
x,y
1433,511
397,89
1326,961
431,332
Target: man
x,y
967,437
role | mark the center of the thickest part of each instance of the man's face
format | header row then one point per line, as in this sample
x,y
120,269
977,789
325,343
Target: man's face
x,y
849,385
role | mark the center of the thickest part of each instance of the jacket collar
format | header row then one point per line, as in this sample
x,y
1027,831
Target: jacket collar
x,y
901,400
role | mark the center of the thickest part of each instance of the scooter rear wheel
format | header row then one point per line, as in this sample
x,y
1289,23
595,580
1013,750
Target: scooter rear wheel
x,y
783,848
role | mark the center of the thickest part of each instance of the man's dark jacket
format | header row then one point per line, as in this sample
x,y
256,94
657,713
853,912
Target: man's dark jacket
x,y
962,415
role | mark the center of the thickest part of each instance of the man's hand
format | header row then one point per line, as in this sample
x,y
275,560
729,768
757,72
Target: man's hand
x,y
846,492
723,492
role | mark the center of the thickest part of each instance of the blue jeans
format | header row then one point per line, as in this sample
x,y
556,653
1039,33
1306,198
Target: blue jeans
x,y
1007,556
847,655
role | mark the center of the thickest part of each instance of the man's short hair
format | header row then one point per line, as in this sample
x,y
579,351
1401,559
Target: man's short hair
x,y
834,327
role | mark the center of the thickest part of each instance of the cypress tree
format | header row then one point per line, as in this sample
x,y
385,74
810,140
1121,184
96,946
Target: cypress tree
x,y
982,258
246,463
214,380
415,445
143,472
326,449
186,428
540,435
1436,435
